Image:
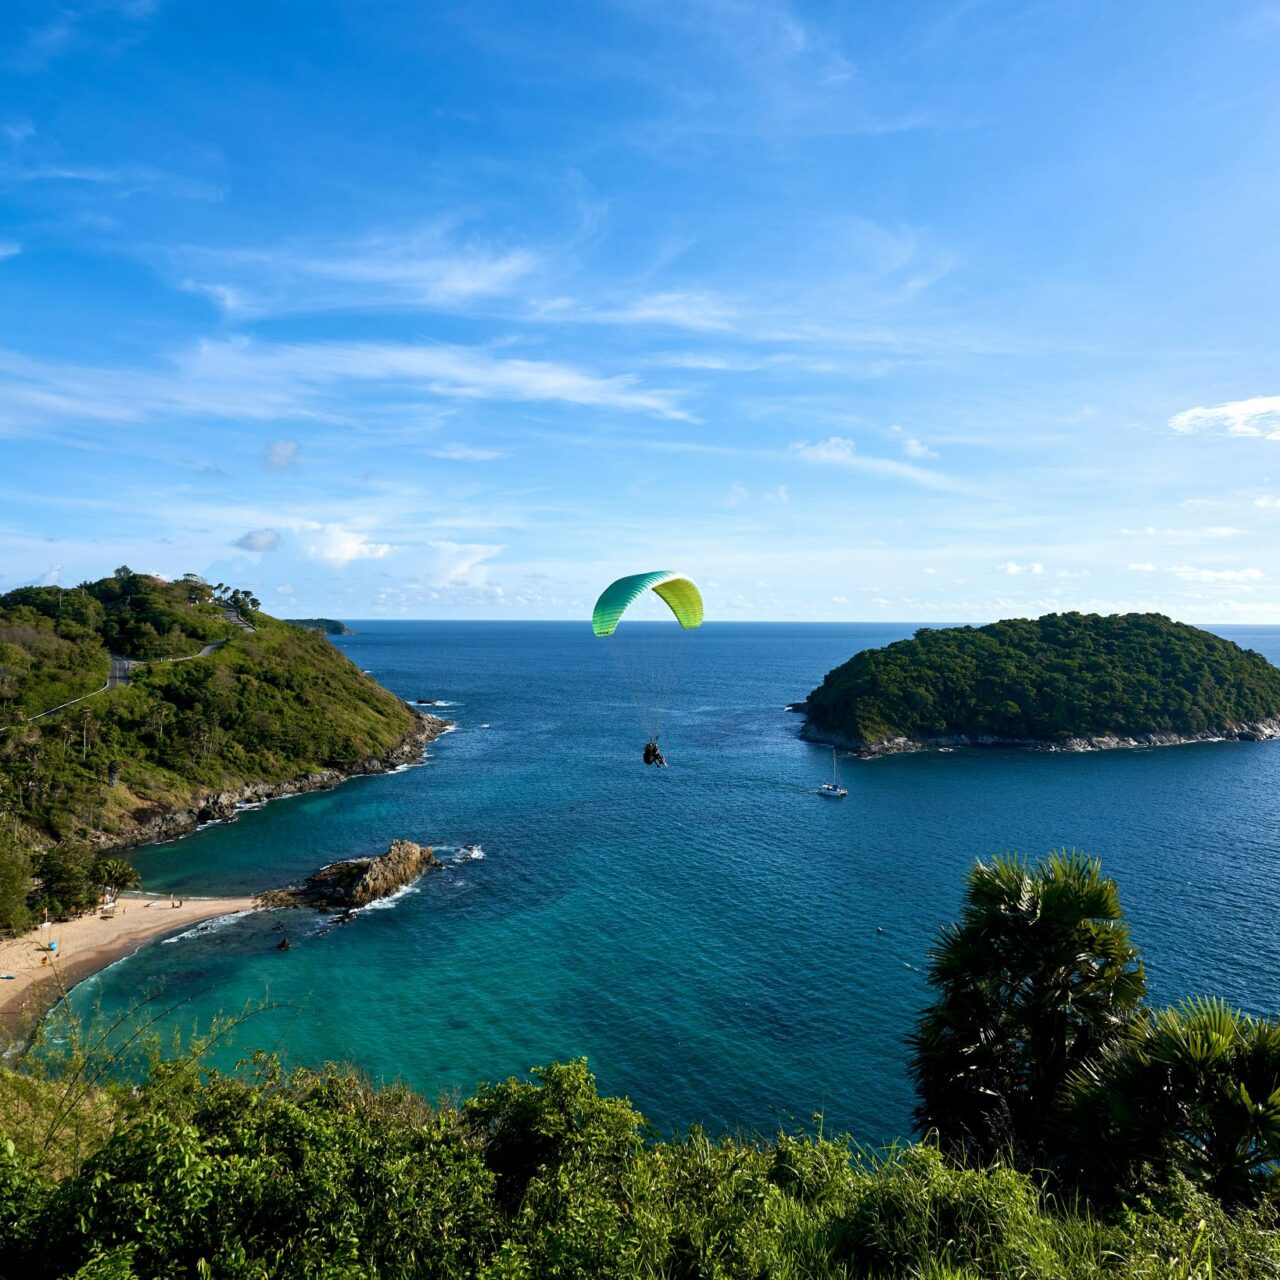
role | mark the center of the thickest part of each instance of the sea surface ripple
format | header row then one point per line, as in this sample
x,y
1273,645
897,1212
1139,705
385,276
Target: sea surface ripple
x,y
722,944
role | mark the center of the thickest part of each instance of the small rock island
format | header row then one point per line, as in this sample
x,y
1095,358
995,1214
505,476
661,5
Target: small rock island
x,y
1065,681
356,882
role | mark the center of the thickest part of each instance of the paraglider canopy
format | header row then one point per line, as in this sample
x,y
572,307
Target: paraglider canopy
x,y
680,594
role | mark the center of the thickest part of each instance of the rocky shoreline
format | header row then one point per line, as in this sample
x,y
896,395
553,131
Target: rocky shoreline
x,y
1250,731
222,806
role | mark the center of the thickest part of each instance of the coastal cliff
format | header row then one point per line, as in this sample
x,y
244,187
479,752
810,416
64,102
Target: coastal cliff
x,y
1063,682
222,806
132,709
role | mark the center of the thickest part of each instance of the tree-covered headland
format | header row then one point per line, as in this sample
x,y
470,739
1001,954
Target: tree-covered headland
x,y
266,702
1070,1132
1060,677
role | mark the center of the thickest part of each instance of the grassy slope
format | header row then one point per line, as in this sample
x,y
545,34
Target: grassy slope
x,y
271,705
1060,676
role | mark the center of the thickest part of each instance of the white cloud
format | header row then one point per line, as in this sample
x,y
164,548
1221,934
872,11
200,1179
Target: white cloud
x,y
1144,567
737,495
465,453
280,455
1192,573
834,449
1013,569
459,563
340,546
9,249
779,495
1268,501
914,448
1257,417
258,540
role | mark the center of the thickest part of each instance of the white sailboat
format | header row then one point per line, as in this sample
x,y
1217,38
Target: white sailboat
x,y
833,790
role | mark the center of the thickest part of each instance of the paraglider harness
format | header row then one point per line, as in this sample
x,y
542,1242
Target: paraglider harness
x,y
653,756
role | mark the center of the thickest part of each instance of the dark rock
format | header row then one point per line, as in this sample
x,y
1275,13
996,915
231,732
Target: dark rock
x,y
1251,731
356,882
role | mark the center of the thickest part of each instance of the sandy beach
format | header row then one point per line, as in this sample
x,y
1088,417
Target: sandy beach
x,y
32,977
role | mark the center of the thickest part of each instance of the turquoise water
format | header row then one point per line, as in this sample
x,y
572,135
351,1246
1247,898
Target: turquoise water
x,y
707,935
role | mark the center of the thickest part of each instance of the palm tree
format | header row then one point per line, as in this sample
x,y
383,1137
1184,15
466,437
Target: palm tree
x,y
1037,978
116,873
1194,1088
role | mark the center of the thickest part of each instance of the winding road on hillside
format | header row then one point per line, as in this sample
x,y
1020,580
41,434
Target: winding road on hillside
x,y
119,668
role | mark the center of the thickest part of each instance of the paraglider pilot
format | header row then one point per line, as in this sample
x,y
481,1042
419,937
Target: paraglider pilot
x,y
653,756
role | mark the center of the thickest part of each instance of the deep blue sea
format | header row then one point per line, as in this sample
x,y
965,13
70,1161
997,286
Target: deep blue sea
x,y
723,945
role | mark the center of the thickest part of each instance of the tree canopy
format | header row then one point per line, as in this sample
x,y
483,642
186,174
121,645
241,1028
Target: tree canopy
x,y
1064,675
274,702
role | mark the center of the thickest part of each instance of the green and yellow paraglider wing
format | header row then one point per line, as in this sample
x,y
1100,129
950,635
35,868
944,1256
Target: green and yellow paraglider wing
x,y
681,595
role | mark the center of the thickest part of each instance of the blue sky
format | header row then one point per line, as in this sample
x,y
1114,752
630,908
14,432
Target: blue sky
x,y
932,311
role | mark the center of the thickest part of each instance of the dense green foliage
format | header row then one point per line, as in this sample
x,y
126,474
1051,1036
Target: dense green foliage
x,y
330,626
1061,676
319,1175
1194,1088
1037,977
273,702
1039,1050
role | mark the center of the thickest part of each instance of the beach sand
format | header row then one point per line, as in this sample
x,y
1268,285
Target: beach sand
x,y
85,945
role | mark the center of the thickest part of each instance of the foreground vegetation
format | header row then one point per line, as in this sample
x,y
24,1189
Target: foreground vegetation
x,y
1066,675
319,1175
273,703
1071,1134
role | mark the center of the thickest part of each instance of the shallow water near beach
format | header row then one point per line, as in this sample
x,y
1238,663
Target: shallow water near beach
x,y
723,945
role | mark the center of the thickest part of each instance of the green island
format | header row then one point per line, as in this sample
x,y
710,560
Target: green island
x,y
132,709
330,626
1065,680
1070,1132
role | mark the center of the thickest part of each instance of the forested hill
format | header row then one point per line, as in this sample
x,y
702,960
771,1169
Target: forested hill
x,y
1065,676
217,695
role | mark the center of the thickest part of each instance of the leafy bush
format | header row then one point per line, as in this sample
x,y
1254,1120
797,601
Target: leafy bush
x,y
318,1174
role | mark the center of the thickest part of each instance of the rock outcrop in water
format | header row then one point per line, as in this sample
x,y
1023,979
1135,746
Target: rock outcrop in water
x,y
356,882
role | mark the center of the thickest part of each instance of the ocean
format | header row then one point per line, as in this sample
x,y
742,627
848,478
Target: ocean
x,y
724,946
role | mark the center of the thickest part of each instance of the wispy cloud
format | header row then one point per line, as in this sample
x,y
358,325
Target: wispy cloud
x,y
430,268
258,540
699,312
69,27
9,249
248,380
1013,569
1256,417
466,453
280,455
1193,573
840,451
